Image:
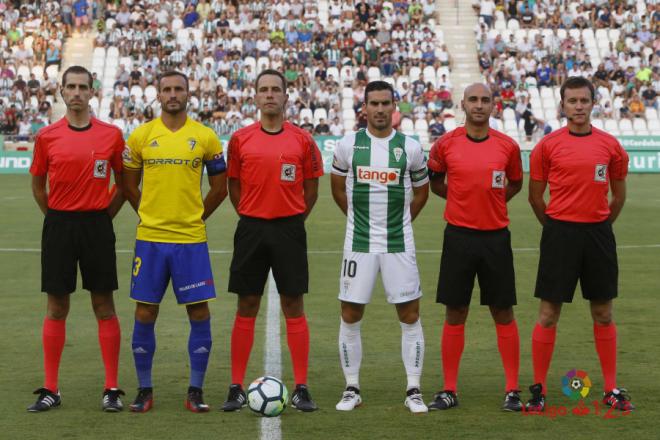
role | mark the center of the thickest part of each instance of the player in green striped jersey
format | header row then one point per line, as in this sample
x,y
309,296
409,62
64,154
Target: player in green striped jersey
x,y
380,181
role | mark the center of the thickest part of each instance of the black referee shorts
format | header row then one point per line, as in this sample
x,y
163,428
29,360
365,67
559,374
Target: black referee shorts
x,y
259,245
572,251
71,238
486,254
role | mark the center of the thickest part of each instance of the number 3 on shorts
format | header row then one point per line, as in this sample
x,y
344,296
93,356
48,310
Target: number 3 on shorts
x,y
137,263
349,268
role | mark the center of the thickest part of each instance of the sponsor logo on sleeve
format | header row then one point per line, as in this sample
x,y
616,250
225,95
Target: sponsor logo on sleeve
x,y
498,179
126,154
384,176
101,168
419,174
288,173
601,173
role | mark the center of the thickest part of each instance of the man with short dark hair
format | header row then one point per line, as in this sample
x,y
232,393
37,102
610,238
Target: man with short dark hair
x,y
168,154
581,164
75,156
273,171
380,182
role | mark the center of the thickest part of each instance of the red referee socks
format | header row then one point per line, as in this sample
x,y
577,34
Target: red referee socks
x,y
508,343
605,338
453,341
110,341
297,335
543,344
242,338
53,336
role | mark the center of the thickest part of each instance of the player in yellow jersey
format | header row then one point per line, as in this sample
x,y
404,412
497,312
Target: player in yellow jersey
x,y
168,154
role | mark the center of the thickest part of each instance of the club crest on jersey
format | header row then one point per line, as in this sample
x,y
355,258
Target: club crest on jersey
x,y
601,173
498,179
384,176
288,173
398,152
192,142
101,169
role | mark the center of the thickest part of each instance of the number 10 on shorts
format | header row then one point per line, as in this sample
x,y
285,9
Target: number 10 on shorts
x,y
349,267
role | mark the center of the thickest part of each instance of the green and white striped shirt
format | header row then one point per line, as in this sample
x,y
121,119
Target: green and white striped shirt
x,y
380,174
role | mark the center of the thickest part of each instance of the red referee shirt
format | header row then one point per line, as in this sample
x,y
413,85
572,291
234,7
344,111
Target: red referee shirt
x,y
477,172
271,168
78,163
578,169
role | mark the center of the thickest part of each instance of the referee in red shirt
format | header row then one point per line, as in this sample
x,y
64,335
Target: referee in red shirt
x,y
581,164
484,171
75,156
273,171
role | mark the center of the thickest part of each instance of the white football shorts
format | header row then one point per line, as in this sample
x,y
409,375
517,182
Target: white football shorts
x,y
398,270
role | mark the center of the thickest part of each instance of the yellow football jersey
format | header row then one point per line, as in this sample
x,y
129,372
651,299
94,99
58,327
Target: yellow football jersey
x,y
171,206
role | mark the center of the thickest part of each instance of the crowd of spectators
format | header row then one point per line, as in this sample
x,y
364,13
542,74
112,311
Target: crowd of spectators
x,y
525,46
32,34
327,50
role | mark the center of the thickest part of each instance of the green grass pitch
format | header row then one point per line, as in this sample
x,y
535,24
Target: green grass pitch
x,y
383,415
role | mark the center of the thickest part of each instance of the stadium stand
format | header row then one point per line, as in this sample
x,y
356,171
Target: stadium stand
x,y
529,47
328,50
32,35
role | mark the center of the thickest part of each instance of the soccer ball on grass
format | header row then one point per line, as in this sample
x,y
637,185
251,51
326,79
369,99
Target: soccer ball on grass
x,y
267,396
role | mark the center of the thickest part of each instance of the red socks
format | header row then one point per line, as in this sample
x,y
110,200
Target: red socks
x,y
453,341
242,338
508,343
543,344
110,341
297,335
53,336
605,338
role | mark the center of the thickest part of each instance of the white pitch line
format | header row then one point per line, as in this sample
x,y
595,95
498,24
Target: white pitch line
x,y
333,252
271,426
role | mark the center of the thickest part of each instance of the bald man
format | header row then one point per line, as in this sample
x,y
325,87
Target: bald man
x,y
484,171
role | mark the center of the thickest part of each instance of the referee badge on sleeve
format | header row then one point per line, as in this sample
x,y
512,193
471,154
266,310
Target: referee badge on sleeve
x,y
601,173
498,179
100,169
288,173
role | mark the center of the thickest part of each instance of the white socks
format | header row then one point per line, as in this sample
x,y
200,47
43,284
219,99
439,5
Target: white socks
x,y
412,351
350,351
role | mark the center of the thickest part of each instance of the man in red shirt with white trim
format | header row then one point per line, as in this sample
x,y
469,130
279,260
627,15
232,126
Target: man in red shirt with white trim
x,y
484,171
273,171
75,156
581,164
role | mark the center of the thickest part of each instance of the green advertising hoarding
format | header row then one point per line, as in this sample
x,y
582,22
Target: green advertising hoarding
x,y
644,152
15,162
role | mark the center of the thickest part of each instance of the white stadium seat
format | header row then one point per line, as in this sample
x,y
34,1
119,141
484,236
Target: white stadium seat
x,y
639,125
421,126
320,113
348,113
598,123
306,113
407,126
450,124
373,73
